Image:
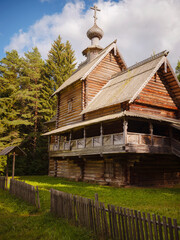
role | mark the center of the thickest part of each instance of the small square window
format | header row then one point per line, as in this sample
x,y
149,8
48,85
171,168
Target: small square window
x,y
70,105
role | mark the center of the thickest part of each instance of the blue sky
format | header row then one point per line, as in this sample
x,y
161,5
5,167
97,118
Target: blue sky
x,y
21,14
141,27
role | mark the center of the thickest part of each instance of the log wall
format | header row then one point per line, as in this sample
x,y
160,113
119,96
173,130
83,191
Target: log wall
x,y
101,75
121,170
51,167
68,169
103,112
71,93
156,170
152,110
156,99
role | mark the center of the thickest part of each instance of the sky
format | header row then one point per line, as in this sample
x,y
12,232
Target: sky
x,y
142,27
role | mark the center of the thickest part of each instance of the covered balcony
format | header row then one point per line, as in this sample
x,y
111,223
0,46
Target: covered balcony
x,y
122,135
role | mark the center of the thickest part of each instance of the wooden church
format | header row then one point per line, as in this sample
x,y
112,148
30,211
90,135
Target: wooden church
x,y
117,125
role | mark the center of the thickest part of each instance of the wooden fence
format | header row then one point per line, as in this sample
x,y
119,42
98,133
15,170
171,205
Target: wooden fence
x,y
112,222
2,182
25,191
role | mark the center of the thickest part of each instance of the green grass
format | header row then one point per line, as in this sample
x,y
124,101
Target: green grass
x,y
162,201
19,221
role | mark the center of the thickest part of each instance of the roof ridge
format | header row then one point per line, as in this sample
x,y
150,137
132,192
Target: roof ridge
x,y
93,61
104,49
163,53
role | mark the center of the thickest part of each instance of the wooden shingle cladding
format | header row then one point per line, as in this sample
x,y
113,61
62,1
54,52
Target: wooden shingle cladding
x,y
73,94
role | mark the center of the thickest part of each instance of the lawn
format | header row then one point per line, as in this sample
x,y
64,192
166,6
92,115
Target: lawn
x,y
162,201
19,220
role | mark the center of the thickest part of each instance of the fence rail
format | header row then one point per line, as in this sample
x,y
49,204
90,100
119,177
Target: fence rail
x,y
25,191
112,222
2,182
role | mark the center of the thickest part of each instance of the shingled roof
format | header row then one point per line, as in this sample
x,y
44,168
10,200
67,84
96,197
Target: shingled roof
x,y
175,123
85,69
126,85
11,149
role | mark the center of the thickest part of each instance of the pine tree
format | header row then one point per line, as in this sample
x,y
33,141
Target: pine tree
x,y
35,92
60,62
178,70
10,116
25,105
37,108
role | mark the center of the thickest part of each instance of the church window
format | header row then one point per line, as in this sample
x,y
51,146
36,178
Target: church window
x,y
70,105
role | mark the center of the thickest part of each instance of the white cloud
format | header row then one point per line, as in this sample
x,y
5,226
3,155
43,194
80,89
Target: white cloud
x,y
141,28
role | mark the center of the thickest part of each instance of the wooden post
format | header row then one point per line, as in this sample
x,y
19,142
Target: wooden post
x,y
64,139
84,137
125,127
49,142
13,166
96,197
7,172
101,132
70,137
151,132
38,200
171,136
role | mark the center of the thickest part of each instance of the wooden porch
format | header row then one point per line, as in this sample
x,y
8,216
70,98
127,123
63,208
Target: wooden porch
x,y
114,137
114,143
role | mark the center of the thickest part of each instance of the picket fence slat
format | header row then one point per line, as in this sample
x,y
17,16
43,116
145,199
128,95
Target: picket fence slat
x,y
114,222
176,229
25,191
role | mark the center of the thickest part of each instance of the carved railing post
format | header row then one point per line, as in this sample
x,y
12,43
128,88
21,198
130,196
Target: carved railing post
x,y
70,137
125,127
84,137
101,136
151,132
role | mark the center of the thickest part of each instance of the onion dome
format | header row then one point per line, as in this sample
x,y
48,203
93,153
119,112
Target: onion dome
x,y
94,32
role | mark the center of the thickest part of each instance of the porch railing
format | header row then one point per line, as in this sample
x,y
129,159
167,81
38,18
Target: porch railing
x,y
112,140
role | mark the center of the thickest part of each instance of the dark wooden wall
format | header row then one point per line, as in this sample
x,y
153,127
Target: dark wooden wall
x,y
156,170
120,170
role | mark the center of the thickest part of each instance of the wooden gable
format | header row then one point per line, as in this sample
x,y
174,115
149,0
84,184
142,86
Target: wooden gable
x,y
79,93
160,96
102,74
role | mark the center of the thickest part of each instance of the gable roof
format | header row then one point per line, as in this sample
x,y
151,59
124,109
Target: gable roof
x,y
86,68
126,85
11,149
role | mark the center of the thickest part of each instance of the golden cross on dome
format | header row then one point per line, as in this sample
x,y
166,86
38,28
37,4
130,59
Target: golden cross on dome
x,y
95,8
